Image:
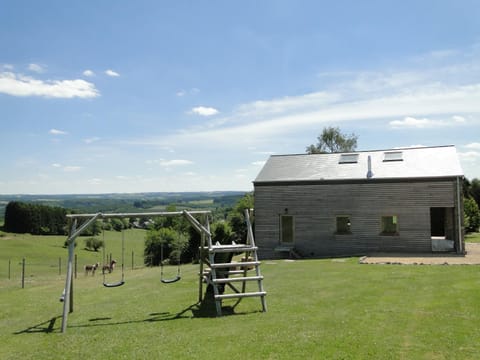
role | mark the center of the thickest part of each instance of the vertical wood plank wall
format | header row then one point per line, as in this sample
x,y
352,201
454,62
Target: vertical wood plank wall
x,y
315,207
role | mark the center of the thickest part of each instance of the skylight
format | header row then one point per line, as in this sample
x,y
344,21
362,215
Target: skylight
x,y
393,156
348,159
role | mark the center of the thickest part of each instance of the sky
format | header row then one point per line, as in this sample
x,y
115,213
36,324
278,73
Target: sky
x,y
152,96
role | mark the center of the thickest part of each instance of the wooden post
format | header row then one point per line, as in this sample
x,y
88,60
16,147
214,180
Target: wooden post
x,y
68,300
59,266
132,259
23,273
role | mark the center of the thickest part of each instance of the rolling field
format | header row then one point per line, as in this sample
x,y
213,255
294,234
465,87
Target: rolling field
x,y
325,309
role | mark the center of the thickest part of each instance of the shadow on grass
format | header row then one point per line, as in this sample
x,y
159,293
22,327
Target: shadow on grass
x,y
204,309
45,327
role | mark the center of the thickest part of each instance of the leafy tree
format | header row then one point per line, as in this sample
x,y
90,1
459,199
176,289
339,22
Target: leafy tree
x,y
236,218
172,242
332,140
93,243
21,217
475,190
472,215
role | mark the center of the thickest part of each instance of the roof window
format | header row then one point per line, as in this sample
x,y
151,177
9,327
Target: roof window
x,y
348,159
393,156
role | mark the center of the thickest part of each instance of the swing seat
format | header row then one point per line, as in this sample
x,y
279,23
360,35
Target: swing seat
x,y
117,284
171,281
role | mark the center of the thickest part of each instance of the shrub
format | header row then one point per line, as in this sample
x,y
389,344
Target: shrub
x,y
172,242
93,243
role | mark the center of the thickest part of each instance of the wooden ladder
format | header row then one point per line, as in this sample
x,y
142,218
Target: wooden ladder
x,y
227,274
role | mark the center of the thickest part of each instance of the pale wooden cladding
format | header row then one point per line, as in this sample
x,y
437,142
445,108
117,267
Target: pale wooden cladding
x,y
315,207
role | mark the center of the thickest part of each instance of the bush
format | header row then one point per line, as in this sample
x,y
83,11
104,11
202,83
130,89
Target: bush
x,y
172,243
472,215
94,244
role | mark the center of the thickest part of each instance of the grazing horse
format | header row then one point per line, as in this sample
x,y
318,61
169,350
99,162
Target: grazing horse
x,y
109,268
91,268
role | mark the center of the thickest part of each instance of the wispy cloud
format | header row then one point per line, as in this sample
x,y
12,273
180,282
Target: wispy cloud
x,y
204,111
57,132
411,122
91,140
183,92
20,85
71,168
178,162
88,73
36,68
474,146
112,73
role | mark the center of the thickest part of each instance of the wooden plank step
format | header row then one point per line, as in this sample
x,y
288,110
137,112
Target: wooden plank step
x,y
232,248
235,264
240,295
237,279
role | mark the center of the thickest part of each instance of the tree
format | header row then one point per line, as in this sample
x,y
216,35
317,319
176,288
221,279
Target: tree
x,y
472,215
236,218
332,140
93,243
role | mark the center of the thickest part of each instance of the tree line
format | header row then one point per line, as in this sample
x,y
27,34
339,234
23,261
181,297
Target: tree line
x,y
22,217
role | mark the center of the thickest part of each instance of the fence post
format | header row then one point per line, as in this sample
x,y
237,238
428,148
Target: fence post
x,y
23,273
59,266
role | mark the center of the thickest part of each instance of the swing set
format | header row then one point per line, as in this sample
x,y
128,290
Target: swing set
x,y
211,271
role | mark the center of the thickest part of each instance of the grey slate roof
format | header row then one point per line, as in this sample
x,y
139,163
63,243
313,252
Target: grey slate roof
x,y
420,162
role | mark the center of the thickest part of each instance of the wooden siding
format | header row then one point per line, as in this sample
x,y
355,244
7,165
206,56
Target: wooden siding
x,y
316,206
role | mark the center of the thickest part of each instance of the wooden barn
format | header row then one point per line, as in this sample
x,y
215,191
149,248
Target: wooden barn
x,y
399,200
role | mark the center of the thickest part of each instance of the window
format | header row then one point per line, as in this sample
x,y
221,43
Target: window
x,y
286,229
343,224
389,225
348,159
393,156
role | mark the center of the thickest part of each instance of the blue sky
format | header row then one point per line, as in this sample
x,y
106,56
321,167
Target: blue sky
x,y
140,96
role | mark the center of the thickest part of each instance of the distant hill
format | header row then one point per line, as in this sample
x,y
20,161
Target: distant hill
x,y
130,202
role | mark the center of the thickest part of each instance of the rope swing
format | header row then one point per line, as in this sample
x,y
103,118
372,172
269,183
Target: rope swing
x,y
112,264
162,278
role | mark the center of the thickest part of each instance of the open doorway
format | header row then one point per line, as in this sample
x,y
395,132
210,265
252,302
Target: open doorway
x,y
442,228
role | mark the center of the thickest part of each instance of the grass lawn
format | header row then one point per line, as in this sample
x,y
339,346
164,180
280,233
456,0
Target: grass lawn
x,y
473,237
325,309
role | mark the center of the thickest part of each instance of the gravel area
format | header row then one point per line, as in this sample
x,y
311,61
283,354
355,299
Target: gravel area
x,y
472,257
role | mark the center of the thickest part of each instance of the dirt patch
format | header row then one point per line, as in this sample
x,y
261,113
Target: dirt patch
x,y
472,257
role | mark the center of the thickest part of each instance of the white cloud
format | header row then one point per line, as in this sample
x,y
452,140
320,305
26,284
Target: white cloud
x,y
91,140
259,163
458,119
95,181
204,111
20,85
475,146
56,165
71,168
411,122
183,92
178,162
88,73
36,68
112,73
57,132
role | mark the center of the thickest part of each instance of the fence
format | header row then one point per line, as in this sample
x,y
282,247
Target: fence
x,y
31,270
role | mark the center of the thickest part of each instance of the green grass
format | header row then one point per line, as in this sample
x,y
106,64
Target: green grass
x,y
472,237
325,309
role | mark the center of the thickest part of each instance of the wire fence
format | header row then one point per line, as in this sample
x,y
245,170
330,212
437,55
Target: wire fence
x,y
28,271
